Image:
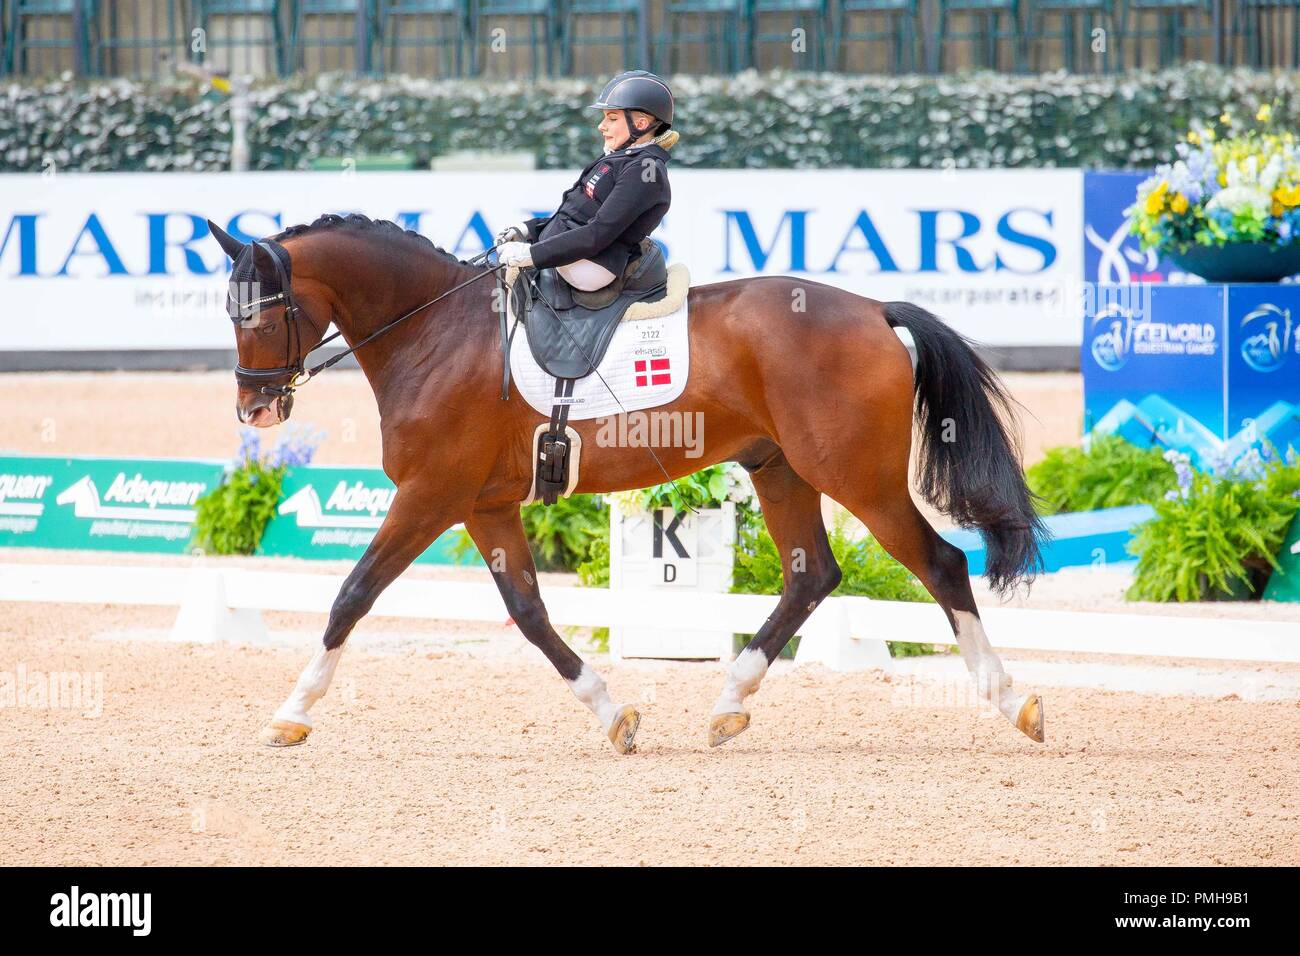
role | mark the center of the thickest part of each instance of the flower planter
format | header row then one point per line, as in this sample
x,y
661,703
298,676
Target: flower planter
x,y
1239,262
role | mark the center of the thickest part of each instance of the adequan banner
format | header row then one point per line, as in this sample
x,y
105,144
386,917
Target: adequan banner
x,y
334,512
106,504
143,504
123,260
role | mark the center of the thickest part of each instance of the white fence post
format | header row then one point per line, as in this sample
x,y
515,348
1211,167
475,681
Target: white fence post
x,y
826,638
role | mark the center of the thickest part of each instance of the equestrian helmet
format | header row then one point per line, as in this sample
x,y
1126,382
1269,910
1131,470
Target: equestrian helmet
x,y
638,90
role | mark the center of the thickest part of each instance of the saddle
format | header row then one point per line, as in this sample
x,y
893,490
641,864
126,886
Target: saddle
x,y
569,332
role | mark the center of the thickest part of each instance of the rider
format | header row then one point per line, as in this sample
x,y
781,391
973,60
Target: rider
x,y
617,201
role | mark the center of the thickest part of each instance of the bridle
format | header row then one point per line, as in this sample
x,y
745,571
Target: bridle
x,y
282,380
264,380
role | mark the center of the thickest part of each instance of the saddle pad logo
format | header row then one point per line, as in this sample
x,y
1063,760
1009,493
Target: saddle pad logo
x,y
653,372
590,186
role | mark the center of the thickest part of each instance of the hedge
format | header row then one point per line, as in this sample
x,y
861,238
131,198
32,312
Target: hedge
x,y
774,120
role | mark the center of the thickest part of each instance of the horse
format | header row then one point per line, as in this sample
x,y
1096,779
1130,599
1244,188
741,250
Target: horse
x,y
806,386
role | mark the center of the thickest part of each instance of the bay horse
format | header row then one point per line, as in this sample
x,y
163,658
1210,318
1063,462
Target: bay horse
x,y
807,386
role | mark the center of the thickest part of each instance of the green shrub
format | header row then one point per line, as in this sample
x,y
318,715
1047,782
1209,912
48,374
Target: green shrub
x,y
868,570
1111,473
560,536
796,120
231,518
594,572
1217,535
707,488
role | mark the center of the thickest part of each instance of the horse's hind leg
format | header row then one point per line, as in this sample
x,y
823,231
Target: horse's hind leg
x,y
499,534
792,512
903,531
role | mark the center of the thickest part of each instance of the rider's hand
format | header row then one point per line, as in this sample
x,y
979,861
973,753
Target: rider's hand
x,y
515,254
512,233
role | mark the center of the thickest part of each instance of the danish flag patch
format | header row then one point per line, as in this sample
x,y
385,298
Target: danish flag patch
x,y
590,186
653,372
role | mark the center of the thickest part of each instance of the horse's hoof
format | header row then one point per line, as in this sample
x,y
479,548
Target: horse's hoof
x,y
622,733
1030,720
725,726
284,733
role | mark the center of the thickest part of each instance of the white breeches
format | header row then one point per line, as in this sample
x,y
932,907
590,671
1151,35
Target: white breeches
x,y
585,275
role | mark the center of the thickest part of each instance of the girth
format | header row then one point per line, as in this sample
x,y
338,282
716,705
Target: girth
x,y
569,332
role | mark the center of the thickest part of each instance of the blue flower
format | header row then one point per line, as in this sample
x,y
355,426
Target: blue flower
x,y
250,444
296,447
1250,467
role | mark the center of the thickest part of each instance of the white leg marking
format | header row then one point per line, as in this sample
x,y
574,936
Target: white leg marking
x,y
992,682
311,686
590,689
743,677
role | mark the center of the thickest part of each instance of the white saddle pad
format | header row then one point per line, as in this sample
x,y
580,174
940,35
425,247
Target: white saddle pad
x,y
646,366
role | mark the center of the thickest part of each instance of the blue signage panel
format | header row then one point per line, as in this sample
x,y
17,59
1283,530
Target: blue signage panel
x,y
1110,254
1153,367
1263,353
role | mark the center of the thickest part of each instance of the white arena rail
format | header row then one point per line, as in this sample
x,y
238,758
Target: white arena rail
x,y
845,633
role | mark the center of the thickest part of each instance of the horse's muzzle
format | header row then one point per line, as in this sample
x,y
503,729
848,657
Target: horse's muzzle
x,y
264,411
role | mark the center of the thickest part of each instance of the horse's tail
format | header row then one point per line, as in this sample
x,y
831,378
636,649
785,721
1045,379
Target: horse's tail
x,y
969,463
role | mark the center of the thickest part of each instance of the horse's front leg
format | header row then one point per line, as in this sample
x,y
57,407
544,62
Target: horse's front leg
x,y
417,516
499,533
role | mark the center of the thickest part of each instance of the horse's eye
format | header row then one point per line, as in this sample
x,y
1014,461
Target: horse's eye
x,y
268,328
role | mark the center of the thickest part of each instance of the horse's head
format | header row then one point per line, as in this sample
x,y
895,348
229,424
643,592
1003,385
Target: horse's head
x,y
273,330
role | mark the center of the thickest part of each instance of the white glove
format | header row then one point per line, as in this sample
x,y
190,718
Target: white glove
x,y
511,233
515,254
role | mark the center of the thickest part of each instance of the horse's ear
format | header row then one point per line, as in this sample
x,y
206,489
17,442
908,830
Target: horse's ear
x,y
232,246
264,260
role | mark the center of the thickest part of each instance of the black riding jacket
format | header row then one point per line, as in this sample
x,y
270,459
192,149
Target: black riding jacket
x,y
616,202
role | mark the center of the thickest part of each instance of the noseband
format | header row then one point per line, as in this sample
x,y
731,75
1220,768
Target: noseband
x,y
294,373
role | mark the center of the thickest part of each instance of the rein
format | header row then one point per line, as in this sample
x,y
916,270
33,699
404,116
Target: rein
x,y
298,373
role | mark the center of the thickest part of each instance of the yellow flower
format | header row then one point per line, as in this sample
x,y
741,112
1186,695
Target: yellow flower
x,y
1223,179
1209,134
1225,119
1286,196
1194,138
1178,205
1277,208
1156,199
1265,113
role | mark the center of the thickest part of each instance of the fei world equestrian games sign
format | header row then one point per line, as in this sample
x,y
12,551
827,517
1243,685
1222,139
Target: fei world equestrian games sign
x,y
123,261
